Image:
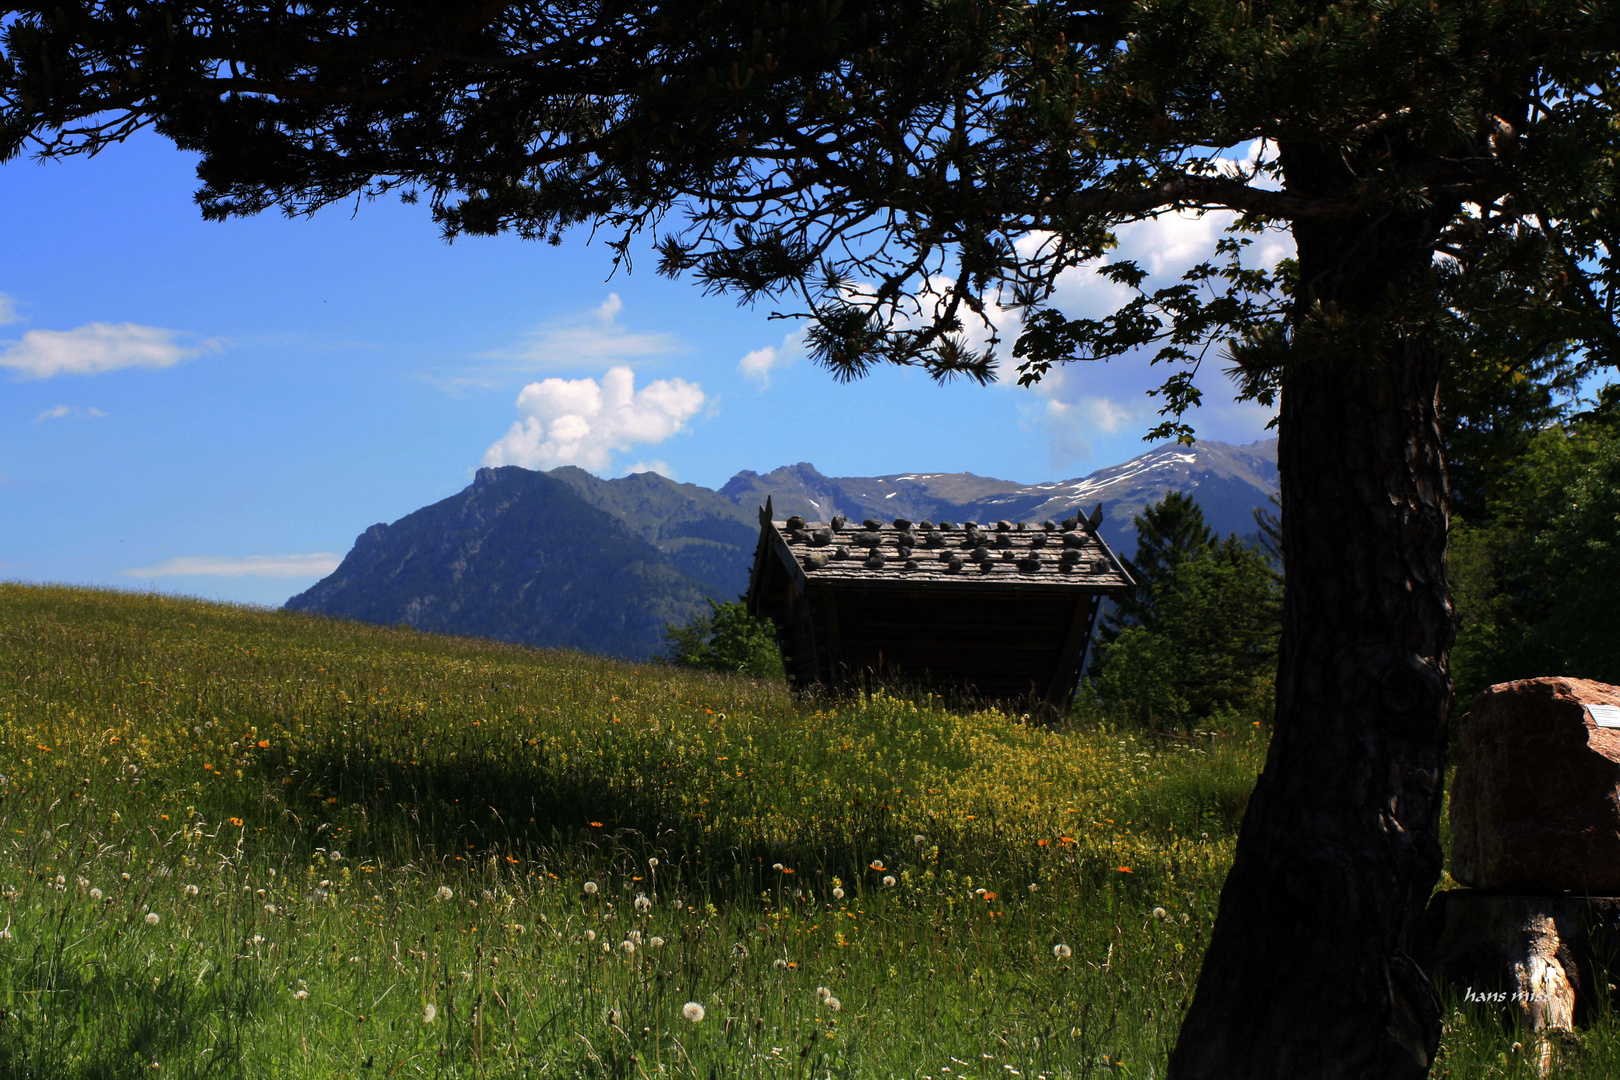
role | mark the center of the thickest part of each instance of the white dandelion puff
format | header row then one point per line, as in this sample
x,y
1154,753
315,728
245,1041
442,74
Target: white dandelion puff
x,y
430,1013
888,881
657,942
919,839
192,890
300,994
834,1004
445,892
1062,952
643,905
1159,913
5,934
95,894
779,965
877,864
653,862
151,918
629,947
777,867
823,993
590,935
838,894
590,888
693,1011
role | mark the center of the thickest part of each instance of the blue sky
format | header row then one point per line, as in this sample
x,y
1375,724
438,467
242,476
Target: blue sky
x,y
219,409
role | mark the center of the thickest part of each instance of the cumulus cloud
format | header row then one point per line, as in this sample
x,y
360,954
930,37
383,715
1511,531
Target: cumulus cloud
x,y
591,338
757,366
582,422
8,310
97,347
275,566
660,467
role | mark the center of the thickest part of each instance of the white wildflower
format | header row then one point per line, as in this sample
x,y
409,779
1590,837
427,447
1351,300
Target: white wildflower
x,y
692,1011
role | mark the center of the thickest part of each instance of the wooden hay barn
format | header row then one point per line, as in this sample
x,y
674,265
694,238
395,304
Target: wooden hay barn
x,y
1000,612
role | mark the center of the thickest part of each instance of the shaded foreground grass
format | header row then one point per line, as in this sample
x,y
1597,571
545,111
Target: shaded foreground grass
x,y
236,842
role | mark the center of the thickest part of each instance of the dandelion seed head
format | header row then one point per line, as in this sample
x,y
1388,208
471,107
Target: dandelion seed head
x,y
1159,913
888,881
271,908
643,905
1062,952
445,892
777,867
877,864
653,862
629,947
590,935
151,918
95,894
635,936
693,1011
740,951
834,1004
60,880
430,1013
590,888
779,965
838,894
919,839
5,934
300,994
1034,887
192,890
823,993
656,942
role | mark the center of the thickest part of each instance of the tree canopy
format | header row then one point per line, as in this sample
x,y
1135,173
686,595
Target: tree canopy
x,y
893,169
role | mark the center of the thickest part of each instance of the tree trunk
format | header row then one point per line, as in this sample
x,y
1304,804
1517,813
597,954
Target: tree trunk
x,y
1308,972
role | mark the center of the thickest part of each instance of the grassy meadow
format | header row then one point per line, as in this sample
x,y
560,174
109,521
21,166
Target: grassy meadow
x,y
238,842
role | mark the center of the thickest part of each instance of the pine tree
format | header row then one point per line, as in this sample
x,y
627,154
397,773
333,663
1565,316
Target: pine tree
x,y
892,169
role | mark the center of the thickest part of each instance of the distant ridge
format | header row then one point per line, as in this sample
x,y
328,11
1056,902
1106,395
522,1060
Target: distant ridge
x,y
570,560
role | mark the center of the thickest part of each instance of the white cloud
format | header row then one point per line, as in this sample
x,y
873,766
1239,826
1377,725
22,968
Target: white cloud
x,y
591,339
63,411
757,366
8,310
275,566
98,347
660,467
582,422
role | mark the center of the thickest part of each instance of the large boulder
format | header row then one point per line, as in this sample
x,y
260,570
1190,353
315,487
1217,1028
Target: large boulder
x,y
1535,806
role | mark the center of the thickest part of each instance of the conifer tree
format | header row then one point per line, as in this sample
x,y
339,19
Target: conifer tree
x,y
890,169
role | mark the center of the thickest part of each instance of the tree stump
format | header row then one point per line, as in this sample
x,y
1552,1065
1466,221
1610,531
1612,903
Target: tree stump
x,y
1544,961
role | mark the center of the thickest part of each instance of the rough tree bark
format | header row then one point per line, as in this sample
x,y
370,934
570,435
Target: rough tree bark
x,y
1308,972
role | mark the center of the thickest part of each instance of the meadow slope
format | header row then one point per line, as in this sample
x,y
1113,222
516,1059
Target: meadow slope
x,y
237,842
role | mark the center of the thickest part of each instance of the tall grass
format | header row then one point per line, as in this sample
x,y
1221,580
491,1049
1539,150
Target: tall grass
x,y
236,842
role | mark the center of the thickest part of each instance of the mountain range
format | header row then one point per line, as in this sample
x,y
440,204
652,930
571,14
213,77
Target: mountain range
x,y
566,559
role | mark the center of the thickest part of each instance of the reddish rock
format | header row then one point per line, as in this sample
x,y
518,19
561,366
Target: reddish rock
x,y
1535,805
